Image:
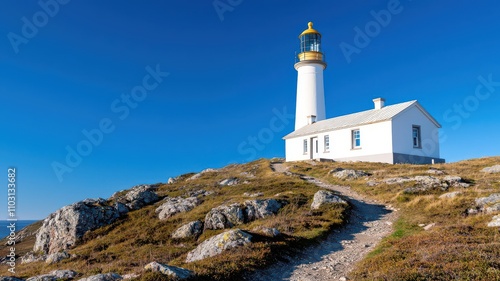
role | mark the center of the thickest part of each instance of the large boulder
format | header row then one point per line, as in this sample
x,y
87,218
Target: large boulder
x,y
224,216
324,197
138,196
489,204
176,205
103,277
492,169
191,229
176,273
219,243
258,209
63,228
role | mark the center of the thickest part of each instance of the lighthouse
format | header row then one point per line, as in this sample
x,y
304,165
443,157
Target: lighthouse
x,y
310,64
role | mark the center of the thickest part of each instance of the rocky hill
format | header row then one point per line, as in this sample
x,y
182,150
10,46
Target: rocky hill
x,y
233,223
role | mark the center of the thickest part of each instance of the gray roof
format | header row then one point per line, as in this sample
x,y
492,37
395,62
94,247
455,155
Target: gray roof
x,y
361,118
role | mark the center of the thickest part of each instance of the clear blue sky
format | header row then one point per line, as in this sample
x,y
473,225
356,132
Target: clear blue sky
x,y
70,66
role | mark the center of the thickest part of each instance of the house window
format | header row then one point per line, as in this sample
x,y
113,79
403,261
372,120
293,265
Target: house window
x,y
305,146
416,136
327,142
356,139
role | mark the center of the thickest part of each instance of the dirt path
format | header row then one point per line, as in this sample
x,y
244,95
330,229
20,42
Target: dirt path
x,y
334,258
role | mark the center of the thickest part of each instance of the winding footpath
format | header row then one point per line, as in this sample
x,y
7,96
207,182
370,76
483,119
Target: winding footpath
x,y
335,257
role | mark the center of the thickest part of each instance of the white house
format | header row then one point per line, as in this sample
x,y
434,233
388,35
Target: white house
x,y
399,133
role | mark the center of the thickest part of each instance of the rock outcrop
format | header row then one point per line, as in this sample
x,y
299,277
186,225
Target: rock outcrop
x,y
176,273
176,205
219,243
137,197
10,278
191,229
63,228
489,204
348,173
56,257
103,277
198,175
55,275
229,182
323,197
450,195
267,231
491,170
225,216
259,209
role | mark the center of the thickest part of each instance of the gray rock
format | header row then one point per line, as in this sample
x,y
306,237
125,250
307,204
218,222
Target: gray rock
x,y
176,205
63,228
138,197
103,277
450,195
455,181
492,169
259,209
122,209
199,192
198,175
225,216
10,278
219,243
64,274
171,180
371,183
429,226
492,209
174,272
428,181
253,194
31,257
495,221
492,199
267,231
323,197
435,171
347,173
229,182
191,229
54,275
56,257
398,180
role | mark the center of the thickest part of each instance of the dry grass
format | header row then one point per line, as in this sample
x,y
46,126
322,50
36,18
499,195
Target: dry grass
x,y
127,245
458,247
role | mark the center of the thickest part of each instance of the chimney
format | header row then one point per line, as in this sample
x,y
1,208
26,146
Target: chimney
x,y
311,119
379,103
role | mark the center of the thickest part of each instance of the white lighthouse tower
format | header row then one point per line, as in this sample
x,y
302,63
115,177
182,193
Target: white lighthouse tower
x,y
310,93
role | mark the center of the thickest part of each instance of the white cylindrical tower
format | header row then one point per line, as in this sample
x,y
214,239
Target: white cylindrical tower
x,y
310,92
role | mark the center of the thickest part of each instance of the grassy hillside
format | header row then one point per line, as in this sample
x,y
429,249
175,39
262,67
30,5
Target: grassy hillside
x,y
459,246
127,245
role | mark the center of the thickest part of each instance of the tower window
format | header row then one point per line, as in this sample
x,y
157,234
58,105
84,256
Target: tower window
x,y
310,42
416,136
356,139
305,146
327,142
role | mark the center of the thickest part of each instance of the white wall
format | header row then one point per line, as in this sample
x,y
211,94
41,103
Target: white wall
x,y
376,142
402,134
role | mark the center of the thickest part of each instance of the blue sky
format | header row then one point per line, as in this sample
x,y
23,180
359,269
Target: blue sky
x,y
213,83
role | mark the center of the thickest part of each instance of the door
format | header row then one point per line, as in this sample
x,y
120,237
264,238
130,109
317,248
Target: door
x,y
314,148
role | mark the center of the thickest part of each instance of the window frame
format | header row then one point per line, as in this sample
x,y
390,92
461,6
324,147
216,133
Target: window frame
x,y
418,138
326,140
305,146
354,144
